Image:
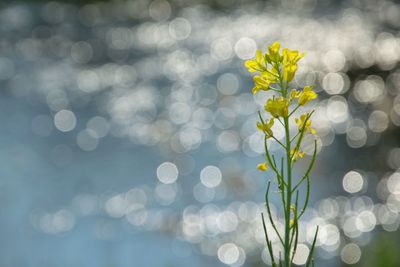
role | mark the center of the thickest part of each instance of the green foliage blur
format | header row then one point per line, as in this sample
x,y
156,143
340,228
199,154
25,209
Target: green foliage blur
x,y
75,2
382,252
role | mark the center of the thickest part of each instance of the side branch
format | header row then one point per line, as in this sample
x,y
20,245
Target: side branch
x,y
269,243
270,214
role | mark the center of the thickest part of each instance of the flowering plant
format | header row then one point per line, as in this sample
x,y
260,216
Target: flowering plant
x,y
275,71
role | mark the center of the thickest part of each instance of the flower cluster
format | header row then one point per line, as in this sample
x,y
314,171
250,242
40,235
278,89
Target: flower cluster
x,y
274,71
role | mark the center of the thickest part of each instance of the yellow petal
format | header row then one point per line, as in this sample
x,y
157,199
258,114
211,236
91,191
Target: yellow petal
x,y
298,122
262,167
294,94
260,126
274,48
289,70
273,51
259,56
307,96
252,66
307,89
271,122
255,90
261,82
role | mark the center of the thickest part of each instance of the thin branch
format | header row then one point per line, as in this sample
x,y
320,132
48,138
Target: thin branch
x,y
314,156
274,89
280,180
268,157
279,142
309,258
307,198
296,226
281,122
270,214
307,175
269,244
302,131
294,110
284,184
295,137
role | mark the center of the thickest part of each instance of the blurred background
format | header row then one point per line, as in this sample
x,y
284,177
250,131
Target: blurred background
x,y
128,131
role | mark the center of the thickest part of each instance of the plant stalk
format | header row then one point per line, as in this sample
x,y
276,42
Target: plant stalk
x,y
288,195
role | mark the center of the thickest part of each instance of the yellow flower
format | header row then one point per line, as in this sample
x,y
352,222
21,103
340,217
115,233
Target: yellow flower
x,y
273,55
291,56
307,95
289,71
294,94
300,122
266,127
260,83
296,153
290,59
278,107
256,64
263,82
262,167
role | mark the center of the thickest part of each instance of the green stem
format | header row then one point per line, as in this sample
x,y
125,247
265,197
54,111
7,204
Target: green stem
x,y
294,110
273,89
287,246
288,194
294,137
270,214
282,145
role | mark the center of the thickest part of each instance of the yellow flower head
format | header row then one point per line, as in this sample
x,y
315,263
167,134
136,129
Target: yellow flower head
x,y
266,127
307,95
260,83
273,52
300,122
294,94
290,59
256,64
263,82
289,71
291,56
262,167
278,107
296,153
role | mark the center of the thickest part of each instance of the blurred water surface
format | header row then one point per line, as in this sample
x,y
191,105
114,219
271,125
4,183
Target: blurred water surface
x,y
129,133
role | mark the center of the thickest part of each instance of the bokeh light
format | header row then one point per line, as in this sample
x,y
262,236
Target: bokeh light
x,y
133,122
